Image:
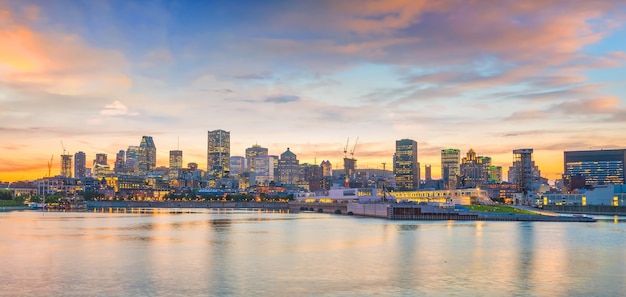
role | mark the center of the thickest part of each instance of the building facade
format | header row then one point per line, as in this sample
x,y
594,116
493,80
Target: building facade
x,y
66,165
147,155
80,163
406,167
597,167
288,168
218,153
450,167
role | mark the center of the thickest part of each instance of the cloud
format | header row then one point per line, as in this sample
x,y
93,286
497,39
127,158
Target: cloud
x,y
255,76
56,62
117,108
282,99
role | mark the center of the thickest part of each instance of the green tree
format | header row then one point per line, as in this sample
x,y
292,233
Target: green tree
x,y
6,195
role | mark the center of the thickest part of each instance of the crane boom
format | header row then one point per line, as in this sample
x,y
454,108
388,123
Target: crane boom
x,y
354,148
345,149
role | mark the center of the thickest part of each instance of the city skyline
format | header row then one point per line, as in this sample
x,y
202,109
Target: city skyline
x,y
494,78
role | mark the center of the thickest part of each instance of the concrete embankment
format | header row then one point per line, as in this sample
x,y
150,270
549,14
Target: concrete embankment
x,y
336,208
185,204
588,209
11,208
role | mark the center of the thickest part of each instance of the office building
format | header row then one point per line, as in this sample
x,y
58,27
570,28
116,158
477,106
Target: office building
x,y
80,163
327,168
288,168
237,165
595,166
428,173
132,159
101,159
525,174
450,167
176,164
146,161
218,153
66,165
474,170
406,167
120,162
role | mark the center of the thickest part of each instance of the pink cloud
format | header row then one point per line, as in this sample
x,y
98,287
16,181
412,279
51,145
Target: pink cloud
x,y
56,62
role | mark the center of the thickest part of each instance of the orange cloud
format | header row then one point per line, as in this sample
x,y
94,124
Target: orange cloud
x,y
56,62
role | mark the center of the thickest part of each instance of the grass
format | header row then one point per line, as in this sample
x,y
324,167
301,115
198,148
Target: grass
x,y
500,209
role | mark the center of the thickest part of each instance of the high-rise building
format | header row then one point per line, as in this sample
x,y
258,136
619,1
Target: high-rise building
x,y
218,153
146,161
237,165
525,174
256,158
595,166
120,162
428,172
288,168
101,159
176,164
474,170
450,167
176,159
80,162
495,174
327,168
406,167
132,159
66,165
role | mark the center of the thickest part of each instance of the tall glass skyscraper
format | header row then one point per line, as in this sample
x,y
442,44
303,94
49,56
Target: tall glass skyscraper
x,y
450,167
406,168
218,153
147,155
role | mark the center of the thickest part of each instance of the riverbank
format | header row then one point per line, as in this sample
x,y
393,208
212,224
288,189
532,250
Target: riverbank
x,y
185,204
11,208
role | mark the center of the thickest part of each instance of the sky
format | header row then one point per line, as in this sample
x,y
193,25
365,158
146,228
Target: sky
x,y
494,76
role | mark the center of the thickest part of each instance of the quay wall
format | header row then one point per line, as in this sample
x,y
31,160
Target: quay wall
x,y
336,208
588,209
186,204
369,210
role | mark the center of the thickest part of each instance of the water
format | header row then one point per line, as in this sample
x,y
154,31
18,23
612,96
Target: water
x,y
203,252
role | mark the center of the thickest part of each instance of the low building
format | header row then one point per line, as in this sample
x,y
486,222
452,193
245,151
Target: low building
x,y
613,195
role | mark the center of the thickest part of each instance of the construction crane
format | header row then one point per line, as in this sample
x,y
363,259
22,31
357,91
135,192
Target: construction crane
x,y
354,148
345,149
50,165
63,146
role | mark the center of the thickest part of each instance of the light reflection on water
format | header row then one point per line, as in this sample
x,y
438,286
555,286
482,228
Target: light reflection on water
x,y
258,253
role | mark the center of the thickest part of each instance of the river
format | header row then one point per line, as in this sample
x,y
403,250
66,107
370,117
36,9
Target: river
x,y
211,252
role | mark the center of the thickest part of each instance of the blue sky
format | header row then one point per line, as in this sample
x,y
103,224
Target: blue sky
x,y
307,75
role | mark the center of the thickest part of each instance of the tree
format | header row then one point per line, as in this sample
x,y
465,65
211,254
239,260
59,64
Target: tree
x,y
6,195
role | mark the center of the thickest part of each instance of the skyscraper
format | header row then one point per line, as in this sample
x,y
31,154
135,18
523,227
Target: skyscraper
x,y
80,161
120,162
288,168
176,163
218,153
450,167
101,159
146,161
406,167
327,168
474,170
132,159
237,165
428,170
523,173
66,165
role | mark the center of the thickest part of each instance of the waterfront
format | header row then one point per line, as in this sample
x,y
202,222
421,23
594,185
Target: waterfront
x,y
222,252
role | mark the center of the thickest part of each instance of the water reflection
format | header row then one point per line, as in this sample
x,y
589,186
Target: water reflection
x,y
241,253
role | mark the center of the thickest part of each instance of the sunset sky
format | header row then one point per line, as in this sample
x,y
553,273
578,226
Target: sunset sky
x,y
489,75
